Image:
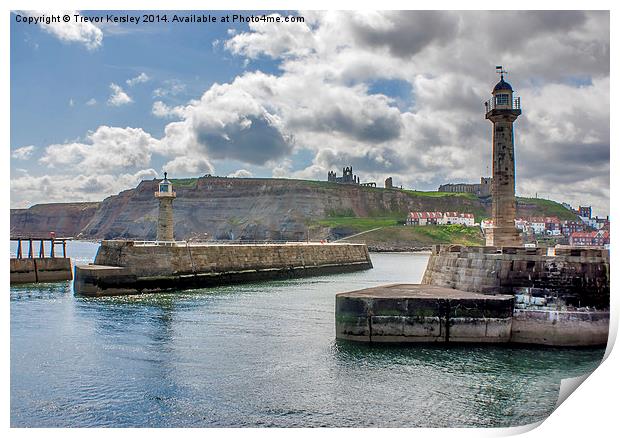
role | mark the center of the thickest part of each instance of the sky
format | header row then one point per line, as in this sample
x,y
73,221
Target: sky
x,y
98,107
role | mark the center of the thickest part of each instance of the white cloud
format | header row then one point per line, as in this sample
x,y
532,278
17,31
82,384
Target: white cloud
x,y
84,33
118,96
71,102
91,102
23,153
241,173
141,78
229,123
162,110
106,149
188,166
171,87
265,38
27,189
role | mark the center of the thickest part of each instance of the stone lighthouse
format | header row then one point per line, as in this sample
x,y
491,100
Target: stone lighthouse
x,y
165,225
502,110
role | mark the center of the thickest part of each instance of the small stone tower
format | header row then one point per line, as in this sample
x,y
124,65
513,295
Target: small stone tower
x,y
502,110
165,222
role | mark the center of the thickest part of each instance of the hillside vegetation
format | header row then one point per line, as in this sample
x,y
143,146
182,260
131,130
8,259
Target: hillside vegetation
x,y
408,236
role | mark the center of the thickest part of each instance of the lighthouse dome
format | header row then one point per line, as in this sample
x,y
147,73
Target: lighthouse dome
x,y
502,85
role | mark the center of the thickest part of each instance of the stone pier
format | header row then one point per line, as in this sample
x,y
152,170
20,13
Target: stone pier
x,y
128,267
542,296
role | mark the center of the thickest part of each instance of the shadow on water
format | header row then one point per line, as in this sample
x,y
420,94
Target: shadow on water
x,y
40,291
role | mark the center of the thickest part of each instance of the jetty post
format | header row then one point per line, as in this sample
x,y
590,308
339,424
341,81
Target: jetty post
x,y
165,221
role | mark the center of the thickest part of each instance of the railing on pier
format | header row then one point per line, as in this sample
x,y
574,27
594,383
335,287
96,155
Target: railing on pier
x,y
221,242
42,240
492,104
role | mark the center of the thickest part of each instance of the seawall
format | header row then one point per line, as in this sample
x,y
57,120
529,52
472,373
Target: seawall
x,y
126,267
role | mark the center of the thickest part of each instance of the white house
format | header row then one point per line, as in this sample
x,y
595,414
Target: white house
x,y
424,218
439,218
454,218
537,224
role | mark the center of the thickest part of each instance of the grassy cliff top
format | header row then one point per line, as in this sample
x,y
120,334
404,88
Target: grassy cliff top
x,y
422,236
546,207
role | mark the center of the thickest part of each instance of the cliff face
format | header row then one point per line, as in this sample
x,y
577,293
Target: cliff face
x,y
65,219
221,208
256,209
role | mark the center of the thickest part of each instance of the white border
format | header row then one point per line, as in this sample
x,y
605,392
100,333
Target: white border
x,y
590,411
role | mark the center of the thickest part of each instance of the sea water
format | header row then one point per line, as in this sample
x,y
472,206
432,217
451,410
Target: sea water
x,y
259,354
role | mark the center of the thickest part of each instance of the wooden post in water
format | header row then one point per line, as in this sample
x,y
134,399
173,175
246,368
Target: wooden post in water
x,y
52,248
42,250
29,248
19,248
64,249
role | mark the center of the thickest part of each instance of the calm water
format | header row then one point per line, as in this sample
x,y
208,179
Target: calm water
x,y
259,354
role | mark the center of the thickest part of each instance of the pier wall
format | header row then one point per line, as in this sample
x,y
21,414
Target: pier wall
x,y
417,313
33,270
579,276
126,267
160,260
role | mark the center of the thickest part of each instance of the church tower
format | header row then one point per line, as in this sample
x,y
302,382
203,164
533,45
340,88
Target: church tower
x,y
502,110
165,222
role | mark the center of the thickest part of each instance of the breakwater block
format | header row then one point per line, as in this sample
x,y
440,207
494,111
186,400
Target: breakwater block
x,y
423,313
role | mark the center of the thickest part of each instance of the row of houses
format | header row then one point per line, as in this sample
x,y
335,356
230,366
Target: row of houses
x,y
417,218
590,238
547,225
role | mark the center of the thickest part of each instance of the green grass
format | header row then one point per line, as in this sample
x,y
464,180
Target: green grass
x,y
449,233
433,194
423,235
546,207
184,182
358,224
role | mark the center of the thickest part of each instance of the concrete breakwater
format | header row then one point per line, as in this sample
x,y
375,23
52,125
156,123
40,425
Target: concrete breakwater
x,y
127,267
40,270
420,313
557,297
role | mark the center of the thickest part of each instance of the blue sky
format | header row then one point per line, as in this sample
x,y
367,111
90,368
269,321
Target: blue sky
x,y
99,107
47,74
